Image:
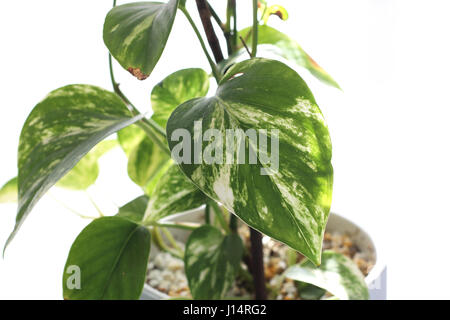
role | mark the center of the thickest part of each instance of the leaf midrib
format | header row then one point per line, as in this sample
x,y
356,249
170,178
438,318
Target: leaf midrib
x,y
116,262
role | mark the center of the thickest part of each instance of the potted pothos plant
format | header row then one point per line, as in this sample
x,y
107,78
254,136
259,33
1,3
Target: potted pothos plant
x,y
256,152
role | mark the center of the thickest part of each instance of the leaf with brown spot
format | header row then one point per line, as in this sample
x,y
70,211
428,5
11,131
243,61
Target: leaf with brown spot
x,y
138,73
136,34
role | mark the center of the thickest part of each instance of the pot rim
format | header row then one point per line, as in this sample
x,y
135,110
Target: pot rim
x,y
373,275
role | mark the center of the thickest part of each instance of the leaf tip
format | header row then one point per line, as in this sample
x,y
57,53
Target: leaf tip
x,y
138,73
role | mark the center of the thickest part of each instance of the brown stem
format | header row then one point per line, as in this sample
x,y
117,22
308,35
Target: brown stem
x,y
213,41
258,265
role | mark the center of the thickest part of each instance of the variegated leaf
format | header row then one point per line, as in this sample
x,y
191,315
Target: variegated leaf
x,y
85,173
151,185
175,89
8,193
111,257
337,274
145,161
130,137
59,131
289,49
286,191
136,34
146,164
173,193
211,262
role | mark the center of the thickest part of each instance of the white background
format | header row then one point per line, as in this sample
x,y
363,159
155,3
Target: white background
x,y
389,126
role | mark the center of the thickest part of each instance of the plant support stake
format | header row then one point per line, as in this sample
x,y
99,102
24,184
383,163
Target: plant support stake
x,y
205,15
258,264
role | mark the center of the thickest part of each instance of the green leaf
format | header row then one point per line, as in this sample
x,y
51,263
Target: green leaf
x,y
85,173
212,261
173,193
136,34
289,49
148,190
112,256
59,131
290,203
337,274
145,161
8,193
135,209
308,291
175,89
130,137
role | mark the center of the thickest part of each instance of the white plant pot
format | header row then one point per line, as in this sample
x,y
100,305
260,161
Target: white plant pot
x,y
376,279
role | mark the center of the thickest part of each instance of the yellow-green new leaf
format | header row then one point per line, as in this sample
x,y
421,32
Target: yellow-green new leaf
x,y
136,34
145,161
58,133
285,191
175,89
85,173
289,49
8,193
130,137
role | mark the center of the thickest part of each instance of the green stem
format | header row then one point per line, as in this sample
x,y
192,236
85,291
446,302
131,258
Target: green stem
x,y
227,30
255,28
65,206
159,241
235,32
151,128
94,204
171,239
215,71
178,225
216,16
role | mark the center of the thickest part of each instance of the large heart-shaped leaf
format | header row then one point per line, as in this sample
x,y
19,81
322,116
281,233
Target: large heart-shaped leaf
x,y
284,193
289,49
58,133
173,193
337,274
111,255
175,89
85,173
134,210
212,262
8,193
136,34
